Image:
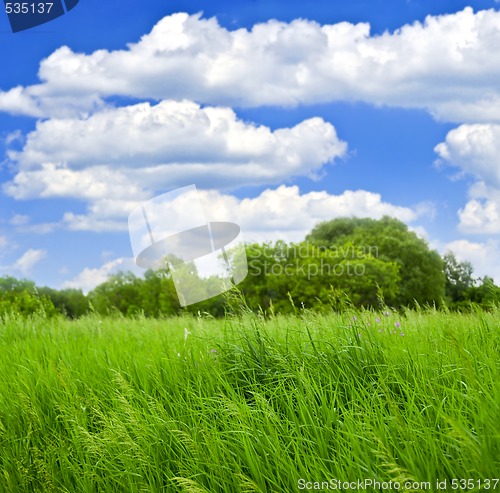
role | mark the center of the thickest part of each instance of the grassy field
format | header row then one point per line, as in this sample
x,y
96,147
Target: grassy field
x,y
249,404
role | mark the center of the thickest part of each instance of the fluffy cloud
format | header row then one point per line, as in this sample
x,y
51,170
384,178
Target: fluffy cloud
x,y
276,213
131,151
485,257
448,65
481,215
285,213
89,278
475,150
25,263
50,180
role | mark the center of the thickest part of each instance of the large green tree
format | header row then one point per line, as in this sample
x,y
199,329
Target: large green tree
x,y
420,269
306,275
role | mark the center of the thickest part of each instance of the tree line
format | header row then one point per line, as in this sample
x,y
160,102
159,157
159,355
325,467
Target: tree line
x,y
363,262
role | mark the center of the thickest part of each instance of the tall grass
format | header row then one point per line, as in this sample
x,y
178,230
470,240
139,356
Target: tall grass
x,y
247,404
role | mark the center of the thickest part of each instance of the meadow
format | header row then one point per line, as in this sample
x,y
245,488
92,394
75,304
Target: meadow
x,y
250,403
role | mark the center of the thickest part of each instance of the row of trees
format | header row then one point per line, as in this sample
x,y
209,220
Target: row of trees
x,y
24,297
364,260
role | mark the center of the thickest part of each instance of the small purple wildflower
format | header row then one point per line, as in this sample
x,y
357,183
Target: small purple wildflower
x,y
355,318
213,351
377,320
397,324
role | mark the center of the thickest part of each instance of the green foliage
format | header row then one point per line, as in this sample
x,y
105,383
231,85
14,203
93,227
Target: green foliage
x,y
304,274
70,302
365,261
420,269
125,293
20,296
463,291
458,278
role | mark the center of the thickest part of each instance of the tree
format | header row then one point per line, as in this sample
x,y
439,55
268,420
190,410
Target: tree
x,y
486,294
20,296
158,296
70,302
307,273
121,292
420,269
459,278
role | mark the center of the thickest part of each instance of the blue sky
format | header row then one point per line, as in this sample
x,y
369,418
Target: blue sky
x,y
282,113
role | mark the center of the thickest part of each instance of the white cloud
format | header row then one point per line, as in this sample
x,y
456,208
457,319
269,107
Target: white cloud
x,y
475,150
171,131
25,263
448,65
480,217
18,101
421,232
7,246
50,180
285,213
89,278
129,152
90,222
40,101
15,136
484,256
276,213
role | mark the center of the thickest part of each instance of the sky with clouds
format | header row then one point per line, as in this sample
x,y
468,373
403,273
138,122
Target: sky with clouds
x,y
283,114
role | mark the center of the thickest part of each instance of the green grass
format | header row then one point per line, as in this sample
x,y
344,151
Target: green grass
x,y
246,403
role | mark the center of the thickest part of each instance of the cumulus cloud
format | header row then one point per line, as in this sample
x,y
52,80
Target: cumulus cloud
x,y
281,212
484,256
25,263
475,150
50,180
89,278
480,216
448,65
131,151
18,101
276,213
285,213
